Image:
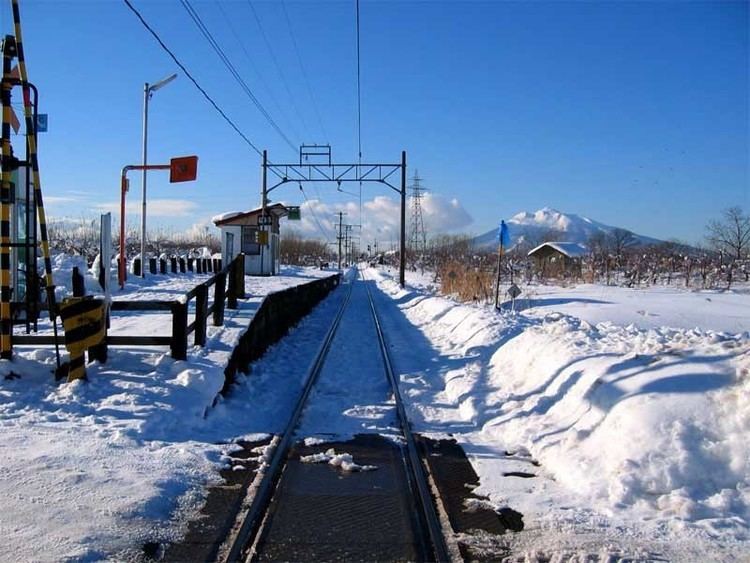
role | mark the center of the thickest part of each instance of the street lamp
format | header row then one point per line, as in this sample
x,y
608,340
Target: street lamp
x,y
148,90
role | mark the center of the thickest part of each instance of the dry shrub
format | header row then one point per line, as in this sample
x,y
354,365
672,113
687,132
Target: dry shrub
x,y
466,283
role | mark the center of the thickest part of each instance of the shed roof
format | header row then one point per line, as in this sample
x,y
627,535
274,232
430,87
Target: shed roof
x,y
569,249
241,217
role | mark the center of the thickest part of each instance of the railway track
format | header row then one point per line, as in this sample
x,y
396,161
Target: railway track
x,y
299,513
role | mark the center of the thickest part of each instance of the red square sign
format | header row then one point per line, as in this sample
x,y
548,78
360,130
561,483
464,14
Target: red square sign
x,y
183,169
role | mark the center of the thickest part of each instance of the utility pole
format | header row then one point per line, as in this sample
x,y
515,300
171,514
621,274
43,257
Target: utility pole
x,y
402,241
349,244
263,204
340,234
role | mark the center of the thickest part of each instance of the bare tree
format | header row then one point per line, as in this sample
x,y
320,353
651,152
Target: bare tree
x,y
598,243
299,251
620,240
731,233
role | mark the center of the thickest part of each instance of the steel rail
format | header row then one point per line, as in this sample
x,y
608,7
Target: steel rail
x,y
418,478
252,521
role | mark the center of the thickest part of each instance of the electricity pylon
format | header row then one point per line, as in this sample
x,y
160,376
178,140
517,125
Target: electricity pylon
x,y
418,237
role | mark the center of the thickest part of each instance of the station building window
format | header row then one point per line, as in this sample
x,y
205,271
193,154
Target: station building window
x,y
250,244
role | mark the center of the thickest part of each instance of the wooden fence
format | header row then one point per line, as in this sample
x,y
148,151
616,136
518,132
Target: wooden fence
x,y
178,265
278,312
228,286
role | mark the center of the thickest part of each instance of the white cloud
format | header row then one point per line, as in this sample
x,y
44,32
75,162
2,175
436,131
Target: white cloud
x,y
381,217
441,214
60,199
155,207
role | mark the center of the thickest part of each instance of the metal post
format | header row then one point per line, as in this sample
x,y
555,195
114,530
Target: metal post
x,y
341,221
264,186
263,203
148,89
121,266
6,198
402,265
146,93
497,281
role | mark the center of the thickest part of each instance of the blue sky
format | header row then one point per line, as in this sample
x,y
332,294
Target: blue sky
x,y
632,113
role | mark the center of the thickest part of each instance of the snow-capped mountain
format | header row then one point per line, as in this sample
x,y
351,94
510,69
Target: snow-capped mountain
x,y
532,228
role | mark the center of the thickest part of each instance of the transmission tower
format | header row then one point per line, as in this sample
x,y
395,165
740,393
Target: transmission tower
x,y
418,237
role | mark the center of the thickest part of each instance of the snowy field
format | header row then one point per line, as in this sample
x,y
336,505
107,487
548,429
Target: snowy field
x,y
658,306
92,470
632,407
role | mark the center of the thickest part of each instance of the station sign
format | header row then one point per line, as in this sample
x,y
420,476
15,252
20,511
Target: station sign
x,y
294,213
183,169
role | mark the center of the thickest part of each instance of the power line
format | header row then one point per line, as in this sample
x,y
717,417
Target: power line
x,y
190,77
232,70
359,111
315,217
278,66
304,72
359,92
267,89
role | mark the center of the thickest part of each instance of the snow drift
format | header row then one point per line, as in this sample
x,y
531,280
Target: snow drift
x,y
642,429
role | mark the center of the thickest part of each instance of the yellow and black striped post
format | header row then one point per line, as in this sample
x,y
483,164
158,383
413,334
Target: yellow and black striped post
x,y
6,201
85,326
34,160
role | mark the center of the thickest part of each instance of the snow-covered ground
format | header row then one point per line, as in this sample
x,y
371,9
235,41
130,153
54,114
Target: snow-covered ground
x,y
635,404
657,306
92,470
636,425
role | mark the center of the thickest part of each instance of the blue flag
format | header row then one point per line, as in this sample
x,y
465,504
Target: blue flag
x,y
503,236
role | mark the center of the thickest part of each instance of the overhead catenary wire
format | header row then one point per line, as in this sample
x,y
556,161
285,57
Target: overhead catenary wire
x,y
304,72
315,217
232,70
359,110
277,65
359,91
251,60
192,79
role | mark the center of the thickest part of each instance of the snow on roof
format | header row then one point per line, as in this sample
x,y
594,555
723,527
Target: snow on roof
x,y
569,249
224,216
277,209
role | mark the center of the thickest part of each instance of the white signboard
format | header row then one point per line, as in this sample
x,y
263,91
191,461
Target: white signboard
x,y
105,251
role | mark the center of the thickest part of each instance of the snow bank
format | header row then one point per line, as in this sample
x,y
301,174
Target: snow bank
x,y
62,274
637,429
655,421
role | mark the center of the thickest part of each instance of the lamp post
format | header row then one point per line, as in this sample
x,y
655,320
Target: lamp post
x,y
148,90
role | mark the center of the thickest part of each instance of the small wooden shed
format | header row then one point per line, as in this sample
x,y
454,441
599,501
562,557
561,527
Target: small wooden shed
x,y
558,258
241,231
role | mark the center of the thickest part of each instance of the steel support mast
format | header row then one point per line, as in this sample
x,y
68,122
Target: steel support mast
x,y
327,171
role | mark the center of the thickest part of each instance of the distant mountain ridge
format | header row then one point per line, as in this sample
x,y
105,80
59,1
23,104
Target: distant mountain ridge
x,y
531,228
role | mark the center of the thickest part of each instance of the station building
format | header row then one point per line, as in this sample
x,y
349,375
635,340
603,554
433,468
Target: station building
x,y
242,231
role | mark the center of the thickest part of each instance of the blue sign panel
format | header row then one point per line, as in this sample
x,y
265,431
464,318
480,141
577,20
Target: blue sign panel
x,y
41,123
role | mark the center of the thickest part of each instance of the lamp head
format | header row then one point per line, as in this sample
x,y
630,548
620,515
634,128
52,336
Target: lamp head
x,y
163,82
